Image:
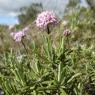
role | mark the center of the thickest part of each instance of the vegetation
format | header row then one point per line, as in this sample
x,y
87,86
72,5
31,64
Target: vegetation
x,y
52,64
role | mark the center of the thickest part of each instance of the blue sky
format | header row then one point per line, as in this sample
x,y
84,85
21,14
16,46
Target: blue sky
x,y
8,20
10,8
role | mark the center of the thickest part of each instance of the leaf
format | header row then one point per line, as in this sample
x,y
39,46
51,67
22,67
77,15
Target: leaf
x,y
74,76
63,92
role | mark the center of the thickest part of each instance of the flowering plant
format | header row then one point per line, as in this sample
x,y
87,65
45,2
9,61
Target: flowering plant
x,y
45,19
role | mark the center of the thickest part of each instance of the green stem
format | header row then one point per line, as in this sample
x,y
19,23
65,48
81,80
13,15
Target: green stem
x,y
68,44
24,46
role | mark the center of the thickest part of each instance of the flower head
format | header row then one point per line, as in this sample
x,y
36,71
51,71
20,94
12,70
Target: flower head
x,y
46,18
17,36
67,32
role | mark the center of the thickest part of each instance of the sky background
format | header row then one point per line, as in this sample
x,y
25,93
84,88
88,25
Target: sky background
x,y
10,8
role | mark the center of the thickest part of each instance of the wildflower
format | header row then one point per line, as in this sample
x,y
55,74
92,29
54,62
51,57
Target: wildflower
x,y
67,32
46,18
17,36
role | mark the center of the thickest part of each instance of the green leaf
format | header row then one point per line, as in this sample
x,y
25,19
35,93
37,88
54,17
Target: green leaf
x,y
74,76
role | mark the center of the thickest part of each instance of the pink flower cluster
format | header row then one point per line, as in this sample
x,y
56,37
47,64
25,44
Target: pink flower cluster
x,y
17,36
45,18
67,32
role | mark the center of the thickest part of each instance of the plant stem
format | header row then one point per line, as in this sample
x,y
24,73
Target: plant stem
x,y
48,30
68,44
24,46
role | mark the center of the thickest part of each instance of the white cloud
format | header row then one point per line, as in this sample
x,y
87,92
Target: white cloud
x,y
11,7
